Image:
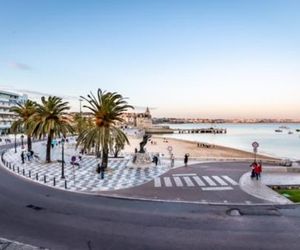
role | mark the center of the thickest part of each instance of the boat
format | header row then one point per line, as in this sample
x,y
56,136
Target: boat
x,y
278,130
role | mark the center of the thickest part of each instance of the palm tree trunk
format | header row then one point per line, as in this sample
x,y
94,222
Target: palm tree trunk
x,y
48,150
29,142
104,157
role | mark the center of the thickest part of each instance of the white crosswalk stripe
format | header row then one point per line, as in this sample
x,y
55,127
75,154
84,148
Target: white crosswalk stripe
x,y
178,182
219,180
199,181
209,181
231,181
157,182
167,181
188,181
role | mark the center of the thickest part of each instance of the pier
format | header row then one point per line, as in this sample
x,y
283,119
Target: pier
x,y
200,131
167,130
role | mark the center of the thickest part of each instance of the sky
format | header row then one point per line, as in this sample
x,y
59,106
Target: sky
x,y
206,59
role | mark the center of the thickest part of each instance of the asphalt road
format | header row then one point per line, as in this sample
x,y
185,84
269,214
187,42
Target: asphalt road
x,y
206,193
41,216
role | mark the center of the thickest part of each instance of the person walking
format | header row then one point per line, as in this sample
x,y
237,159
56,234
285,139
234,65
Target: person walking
x,y
256,170
186,159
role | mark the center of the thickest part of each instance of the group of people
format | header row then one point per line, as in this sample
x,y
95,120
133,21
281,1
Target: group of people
x,y
256,169
28,155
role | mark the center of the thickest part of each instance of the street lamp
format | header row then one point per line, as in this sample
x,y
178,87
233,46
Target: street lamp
x,y
22,141
15,143
62,158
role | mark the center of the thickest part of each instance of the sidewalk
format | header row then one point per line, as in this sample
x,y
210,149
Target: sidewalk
x,y
271,176
6,244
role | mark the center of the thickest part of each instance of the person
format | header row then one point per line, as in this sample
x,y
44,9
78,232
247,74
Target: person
x,y
23,157
28,156
253,165
259,168
256,170
172,160
186,159
155,160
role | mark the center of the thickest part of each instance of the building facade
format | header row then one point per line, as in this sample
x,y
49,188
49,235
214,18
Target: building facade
x,y
8,100
138,120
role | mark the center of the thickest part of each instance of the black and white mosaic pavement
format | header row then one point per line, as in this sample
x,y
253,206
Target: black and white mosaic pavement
x,y
83,178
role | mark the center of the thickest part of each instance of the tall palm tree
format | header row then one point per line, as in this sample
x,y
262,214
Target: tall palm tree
x,y
24,112
50,119
107,108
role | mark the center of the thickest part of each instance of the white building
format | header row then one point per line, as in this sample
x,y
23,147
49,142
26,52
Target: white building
x,y
8,100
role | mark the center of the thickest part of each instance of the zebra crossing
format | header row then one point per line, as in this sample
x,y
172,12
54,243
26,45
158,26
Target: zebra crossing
x,y
206,183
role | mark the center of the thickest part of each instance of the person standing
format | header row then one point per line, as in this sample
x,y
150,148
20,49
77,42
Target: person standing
x,y
23,157
256,171
186,159
259,168
253,166
172,160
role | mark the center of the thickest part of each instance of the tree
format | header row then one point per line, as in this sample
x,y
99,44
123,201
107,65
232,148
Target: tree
x,y
21,125
50,119
106,108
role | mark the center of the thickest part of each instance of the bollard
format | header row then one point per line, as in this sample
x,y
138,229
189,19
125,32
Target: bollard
x,y
14,168
37,176
54,181
9,166
45,179
29,174
18,170
65,184
23,171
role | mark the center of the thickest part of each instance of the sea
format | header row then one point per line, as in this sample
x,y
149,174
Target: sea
x,y
285,144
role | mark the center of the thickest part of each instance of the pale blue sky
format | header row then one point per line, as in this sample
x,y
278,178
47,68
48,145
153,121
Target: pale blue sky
x,y
186,58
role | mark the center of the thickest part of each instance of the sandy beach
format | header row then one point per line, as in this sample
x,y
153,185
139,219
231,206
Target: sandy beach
x,y
195,150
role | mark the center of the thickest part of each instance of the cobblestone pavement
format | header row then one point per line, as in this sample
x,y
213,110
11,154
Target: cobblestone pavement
x,y
83,178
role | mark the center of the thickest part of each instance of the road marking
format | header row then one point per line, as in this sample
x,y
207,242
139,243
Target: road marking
x,y
178,182
188,181
192,174
216,188
199,181
168,182
219,180
209,181
157,182
231,181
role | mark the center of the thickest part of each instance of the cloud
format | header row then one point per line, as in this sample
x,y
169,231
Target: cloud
x,y
19,66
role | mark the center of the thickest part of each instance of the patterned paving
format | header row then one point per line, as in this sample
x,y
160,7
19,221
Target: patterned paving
x,y
83,178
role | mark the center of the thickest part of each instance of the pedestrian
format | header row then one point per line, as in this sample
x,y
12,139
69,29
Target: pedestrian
x,y
23,157
256,170
28,156
253,166
155,160
259,168
186,159
172,160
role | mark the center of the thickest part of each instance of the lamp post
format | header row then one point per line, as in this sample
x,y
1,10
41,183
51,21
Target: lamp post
x,y
15,143
62,158
22,141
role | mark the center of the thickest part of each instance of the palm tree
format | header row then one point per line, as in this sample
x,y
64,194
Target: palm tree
x,y
50,119
106,108
24,112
